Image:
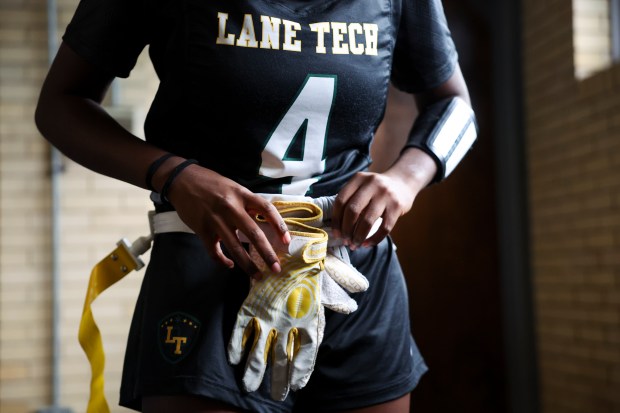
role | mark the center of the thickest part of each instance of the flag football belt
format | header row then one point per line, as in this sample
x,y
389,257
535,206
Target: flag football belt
x,y
126,258
170,222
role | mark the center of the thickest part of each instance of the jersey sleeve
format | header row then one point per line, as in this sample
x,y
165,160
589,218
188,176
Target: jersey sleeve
x,y
109,34
424,55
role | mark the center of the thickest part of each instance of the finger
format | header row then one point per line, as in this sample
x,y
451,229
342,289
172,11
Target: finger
x,y
214,249
387,224
366,221
238,253
336,212
274,238
354,209
340,204
220,256
259,241
258,261
272,216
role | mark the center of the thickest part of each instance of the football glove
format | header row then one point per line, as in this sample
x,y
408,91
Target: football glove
x,y
282,318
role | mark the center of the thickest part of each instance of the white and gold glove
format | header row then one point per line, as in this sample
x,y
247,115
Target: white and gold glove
x,y
283,313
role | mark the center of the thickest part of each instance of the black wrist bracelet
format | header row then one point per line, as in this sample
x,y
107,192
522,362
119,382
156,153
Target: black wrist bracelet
x,y
175,172
150,173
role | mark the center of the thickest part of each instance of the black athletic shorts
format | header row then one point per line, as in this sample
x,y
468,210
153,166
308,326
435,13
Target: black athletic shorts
x,y
186,311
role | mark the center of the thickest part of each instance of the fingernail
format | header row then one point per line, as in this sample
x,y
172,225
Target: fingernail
x,y
275,267
287,237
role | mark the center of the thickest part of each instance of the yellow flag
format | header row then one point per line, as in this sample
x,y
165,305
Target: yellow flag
x,y
108,271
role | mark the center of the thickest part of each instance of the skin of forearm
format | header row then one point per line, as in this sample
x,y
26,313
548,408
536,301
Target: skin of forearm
x,y
81,129
413,167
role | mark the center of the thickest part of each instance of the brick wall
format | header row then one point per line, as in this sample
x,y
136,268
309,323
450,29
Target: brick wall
x,y
96,212
573,151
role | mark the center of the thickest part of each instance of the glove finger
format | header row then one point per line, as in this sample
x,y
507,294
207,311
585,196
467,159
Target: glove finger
x,y
341,252
306,344
280,369
257,357
244,327
320,329
345,275
334,297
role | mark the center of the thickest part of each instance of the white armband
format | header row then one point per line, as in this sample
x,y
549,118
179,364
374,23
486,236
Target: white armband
x,y
446,130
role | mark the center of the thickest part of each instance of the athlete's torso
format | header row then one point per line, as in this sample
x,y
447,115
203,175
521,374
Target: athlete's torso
x,y
279,96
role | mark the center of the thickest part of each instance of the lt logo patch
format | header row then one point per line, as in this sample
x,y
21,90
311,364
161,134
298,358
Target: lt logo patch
x,y
177,334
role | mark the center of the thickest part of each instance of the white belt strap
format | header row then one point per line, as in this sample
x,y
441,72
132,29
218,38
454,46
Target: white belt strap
x,y
164,222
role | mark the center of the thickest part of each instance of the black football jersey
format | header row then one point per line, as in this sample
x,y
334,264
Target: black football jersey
x,y
281,96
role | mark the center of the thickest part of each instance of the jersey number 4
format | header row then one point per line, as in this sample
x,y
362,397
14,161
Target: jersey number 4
x,y
295,149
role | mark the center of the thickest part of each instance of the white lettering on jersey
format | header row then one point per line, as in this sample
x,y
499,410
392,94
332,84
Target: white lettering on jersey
x,y
271,32
371,31
307,119
354,30
338,45
222,38
320,29
345,37
247,37
290,31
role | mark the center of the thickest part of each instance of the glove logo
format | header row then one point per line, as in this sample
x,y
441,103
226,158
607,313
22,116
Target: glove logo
x,y
177,334
300,301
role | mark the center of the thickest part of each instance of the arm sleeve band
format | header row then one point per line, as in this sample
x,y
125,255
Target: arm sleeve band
x,y
446,130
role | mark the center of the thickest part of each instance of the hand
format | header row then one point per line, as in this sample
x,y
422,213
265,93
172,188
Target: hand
x,y
388,195
215,208
367,197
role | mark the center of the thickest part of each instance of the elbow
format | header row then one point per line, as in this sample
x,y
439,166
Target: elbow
x,y
40,112
455,86
39,115
44,114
